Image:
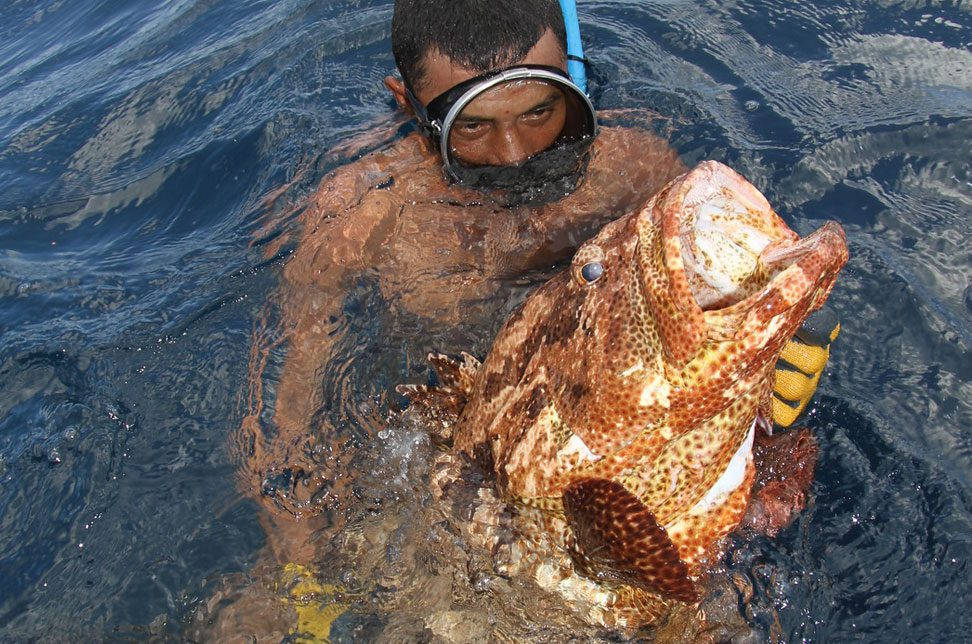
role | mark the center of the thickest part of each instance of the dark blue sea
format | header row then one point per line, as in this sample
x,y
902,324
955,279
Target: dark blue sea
x,y
139,252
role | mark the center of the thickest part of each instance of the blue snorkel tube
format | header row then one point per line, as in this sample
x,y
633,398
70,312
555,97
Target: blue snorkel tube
x,y
575,50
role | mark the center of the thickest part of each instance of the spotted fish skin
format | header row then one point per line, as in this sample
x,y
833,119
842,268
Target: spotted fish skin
x,y
619,413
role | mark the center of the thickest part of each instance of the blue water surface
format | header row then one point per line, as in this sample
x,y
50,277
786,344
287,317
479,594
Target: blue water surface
x,y
138,142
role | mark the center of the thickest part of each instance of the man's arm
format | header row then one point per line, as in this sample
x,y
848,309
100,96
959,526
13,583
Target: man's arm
x,y
284,467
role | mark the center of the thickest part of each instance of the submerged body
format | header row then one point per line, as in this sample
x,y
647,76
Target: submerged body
x,y
617,407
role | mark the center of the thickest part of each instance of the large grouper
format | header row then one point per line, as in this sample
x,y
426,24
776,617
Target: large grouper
x,y
616,410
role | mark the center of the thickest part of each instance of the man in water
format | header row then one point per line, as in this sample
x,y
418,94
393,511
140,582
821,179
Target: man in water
x,y
507,174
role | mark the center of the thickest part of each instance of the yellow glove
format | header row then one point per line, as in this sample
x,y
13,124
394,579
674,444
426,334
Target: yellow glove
x,y
800,365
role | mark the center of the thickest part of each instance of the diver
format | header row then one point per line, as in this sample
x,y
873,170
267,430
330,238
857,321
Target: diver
x,y
508,170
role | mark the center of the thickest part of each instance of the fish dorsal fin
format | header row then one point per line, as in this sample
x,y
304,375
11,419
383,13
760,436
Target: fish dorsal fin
x,y
455,374
617,537
443,404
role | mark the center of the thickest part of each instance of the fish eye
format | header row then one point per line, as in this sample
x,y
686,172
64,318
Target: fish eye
x,y
592,271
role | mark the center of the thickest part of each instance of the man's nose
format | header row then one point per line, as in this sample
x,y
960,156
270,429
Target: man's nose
x,y
510,148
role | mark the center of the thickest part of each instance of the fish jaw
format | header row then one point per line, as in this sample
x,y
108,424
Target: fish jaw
x,y
725,223
713,251
804,272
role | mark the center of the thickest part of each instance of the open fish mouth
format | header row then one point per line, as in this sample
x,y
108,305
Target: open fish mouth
x,y
723,240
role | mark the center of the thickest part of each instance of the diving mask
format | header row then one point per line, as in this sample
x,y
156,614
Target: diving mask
x,y
527,124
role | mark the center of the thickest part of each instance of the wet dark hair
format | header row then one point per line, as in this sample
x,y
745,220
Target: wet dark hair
x,y
477,34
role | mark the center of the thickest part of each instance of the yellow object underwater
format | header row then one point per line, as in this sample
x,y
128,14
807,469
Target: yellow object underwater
x,y
314,603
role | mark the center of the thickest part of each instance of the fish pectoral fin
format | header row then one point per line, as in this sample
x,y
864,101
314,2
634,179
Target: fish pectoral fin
x,y
616,537
443,404
455,374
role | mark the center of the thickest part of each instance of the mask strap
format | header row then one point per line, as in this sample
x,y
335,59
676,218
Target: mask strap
x,y
429,127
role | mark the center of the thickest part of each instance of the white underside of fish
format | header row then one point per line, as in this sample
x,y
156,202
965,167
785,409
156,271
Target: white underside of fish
x,y
731,479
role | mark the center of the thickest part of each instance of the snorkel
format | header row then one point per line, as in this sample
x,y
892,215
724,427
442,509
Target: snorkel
x,y
575,49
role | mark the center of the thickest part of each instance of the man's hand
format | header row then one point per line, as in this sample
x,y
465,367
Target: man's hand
x,y
800,365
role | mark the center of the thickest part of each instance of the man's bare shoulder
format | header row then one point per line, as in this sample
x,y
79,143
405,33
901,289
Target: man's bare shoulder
x,y
628,165
353,210
633,148
346,186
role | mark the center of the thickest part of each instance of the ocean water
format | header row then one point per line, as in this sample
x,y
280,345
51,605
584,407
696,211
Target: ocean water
x,y
144,149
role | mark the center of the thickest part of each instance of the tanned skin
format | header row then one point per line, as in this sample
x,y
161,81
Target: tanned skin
x,y
435,250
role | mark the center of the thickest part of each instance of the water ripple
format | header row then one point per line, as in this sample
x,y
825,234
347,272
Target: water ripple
x,y
143,149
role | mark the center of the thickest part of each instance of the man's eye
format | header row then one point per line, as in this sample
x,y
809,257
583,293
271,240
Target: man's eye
x,y
471,129
538,113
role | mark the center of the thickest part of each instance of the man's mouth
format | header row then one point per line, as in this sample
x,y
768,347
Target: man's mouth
x,y
543,178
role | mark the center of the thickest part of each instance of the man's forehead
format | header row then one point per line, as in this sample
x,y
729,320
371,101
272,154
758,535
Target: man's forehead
x,y
512,99
440,73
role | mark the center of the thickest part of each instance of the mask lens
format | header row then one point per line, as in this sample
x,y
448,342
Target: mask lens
x,y
522,133
508,123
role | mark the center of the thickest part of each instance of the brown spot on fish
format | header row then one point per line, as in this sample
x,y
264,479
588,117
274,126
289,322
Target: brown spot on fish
x,y
577,392
530,405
